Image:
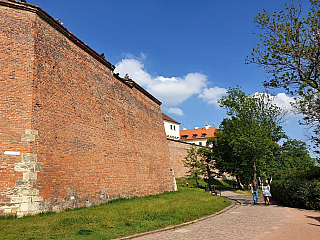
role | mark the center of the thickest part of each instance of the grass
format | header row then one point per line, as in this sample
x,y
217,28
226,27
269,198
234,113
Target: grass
x,y
117,218
218,184
247,192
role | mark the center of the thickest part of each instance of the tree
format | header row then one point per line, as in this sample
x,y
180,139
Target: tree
x,y
294,154
194,163
290,54
228,154
252,131
206,157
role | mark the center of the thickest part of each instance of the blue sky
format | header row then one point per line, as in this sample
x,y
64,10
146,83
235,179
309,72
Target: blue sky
x,y
184,52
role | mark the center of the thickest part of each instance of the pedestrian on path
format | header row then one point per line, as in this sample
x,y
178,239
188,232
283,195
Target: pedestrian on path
x,y
266,192
254,191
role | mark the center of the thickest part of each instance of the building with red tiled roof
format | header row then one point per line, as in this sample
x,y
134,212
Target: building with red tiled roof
x,y
197,136
171,126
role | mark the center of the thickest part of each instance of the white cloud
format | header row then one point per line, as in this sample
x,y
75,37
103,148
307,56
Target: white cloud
x,y
170,91
135,70
176,111
211,95
143,56
283,101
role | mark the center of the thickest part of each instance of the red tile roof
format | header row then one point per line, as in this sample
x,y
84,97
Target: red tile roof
x,y
167,118
190,132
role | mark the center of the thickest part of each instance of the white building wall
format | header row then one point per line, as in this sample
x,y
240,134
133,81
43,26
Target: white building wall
x,y
172,130
197,141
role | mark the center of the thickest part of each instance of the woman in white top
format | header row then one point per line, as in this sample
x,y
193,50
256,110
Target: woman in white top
x,y
266,192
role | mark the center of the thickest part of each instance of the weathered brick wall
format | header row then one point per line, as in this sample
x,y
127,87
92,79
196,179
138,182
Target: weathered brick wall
x,y
16,73
84,135
179,151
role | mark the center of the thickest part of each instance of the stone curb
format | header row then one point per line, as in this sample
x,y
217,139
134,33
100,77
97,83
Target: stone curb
x,y
235,204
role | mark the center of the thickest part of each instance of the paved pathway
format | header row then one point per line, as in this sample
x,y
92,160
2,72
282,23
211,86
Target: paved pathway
x,y
249,221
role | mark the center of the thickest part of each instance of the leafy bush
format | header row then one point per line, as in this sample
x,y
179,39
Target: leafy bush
x,y
312,174
297,193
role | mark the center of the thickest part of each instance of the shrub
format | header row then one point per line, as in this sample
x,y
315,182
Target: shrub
x,y
297,193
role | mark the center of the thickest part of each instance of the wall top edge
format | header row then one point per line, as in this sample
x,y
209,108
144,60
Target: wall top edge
x,y
56,25
133,84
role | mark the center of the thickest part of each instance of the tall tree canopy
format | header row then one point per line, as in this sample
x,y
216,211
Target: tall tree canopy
x,y
294,154
248,137
290,53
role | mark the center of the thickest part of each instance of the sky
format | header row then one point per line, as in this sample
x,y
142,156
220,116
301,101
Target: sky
x,y
186,53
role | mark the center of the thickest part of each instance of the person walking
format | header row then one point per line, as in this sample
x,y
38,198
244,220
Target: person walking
x,y
254,191
266,192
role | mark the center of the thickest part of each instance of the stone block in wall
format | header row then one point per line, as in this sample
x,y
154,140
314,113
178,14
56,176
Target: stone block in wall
x,y
29,135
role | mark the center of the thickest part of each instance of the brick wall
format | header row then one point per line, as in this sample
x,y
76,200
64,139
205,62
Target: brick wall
x,y
16,73
84,135
179,151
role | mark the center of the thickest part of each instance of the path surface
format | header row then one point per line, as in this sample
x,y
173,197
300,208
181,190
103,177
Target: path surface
x,y
249,221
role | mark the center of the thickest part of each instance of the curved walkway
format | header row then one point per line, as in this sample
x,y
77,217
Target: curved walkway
x,y
248,221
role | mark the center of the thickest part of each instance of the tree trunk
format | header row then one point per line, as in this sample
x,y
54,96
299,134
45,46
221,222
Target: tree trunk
x,y
197,182
238,182
254,165
209,174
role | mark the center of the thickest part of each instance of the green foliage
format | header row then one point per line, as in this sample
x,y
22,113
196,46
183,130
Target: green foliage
x,y
290,53
195,164
218,184
298,188
294,154
312,174
245,143
115,219
207,158
297,193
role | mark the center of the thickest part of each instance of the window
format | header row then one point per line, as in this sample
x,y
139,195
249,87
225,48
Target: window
x,y
194,135
171,127
174,127
184,137
200,143
203,134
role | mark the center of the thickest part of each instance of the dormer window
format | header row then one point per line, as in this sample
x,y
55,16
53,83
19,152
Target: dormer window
x,y
194,135
184,137
203,135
